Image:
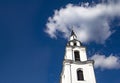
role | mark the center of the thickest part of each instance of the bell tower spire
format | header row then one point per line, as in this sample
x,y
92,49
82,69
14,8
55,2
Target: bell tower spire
x,y
73,41
73,35
76,67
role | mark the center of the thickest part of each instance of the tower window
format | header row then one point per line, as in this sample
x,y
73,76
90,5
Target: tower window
x,y
77,56
75,44
80,75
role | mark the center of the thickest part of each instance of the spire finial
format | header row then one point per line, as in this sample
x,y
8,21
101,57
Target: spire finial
x,y
72,32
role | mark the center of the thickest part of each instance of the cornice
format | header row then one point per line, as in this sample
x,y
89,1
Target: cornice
x,y
77,62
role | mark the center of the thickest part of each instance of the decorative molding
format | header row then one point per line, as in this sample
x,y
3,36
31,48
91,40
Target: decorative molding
x,y
77,62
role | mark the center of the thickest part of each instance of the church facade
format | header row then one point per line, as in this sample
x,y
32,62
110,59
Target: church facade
x,y
76,67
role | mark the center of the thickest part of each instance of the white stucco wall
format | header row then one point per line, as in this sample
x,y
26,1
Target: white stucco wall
x,y
70,73
69,53
87,73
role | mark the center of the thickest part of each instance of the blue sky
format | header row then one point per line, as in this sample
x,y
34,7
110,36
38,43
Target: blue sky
x,y
29,54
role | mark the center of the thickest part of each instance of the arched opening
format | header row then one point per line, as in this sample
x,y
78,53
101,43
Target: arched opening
x,y
80,76
77,56
75,44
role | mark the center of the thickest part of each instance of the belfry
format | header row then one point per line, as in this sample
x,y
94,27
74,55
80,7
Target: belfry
x,y
76,67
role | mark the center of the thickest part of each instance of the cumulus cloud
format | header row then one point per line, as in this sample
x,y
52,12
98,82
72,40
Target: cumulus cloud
x,y
103,62
91,22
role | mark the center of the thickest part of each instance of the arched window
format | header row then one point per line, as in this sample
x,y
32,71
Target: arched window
x,y
77,56
80,76
75,44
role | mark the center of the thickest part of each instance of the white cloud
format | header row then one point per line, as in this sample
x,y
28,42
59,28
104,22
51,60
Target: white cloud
x,y
91,22
103,62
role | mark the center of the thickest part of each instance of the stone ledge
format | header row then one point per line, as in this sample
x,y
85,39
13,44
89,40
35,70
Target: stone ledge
x,y
78,62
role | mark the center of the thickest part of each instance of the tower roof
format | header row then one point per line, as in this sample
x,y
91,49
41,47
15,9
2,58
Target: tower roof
x,y
72,33
73,40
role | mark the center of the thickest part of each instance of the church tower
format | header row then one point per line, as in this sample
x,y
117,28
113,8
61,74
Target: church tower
x,y
76,67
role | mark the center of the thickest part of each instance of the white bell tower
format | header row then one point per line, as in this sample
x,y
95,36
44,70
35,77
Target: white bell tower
x,y
76,67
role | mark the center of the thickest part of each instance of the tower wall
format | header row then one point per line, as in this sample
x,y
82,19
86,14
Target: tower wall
x,y
76,67
69,53
88,73
69,74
